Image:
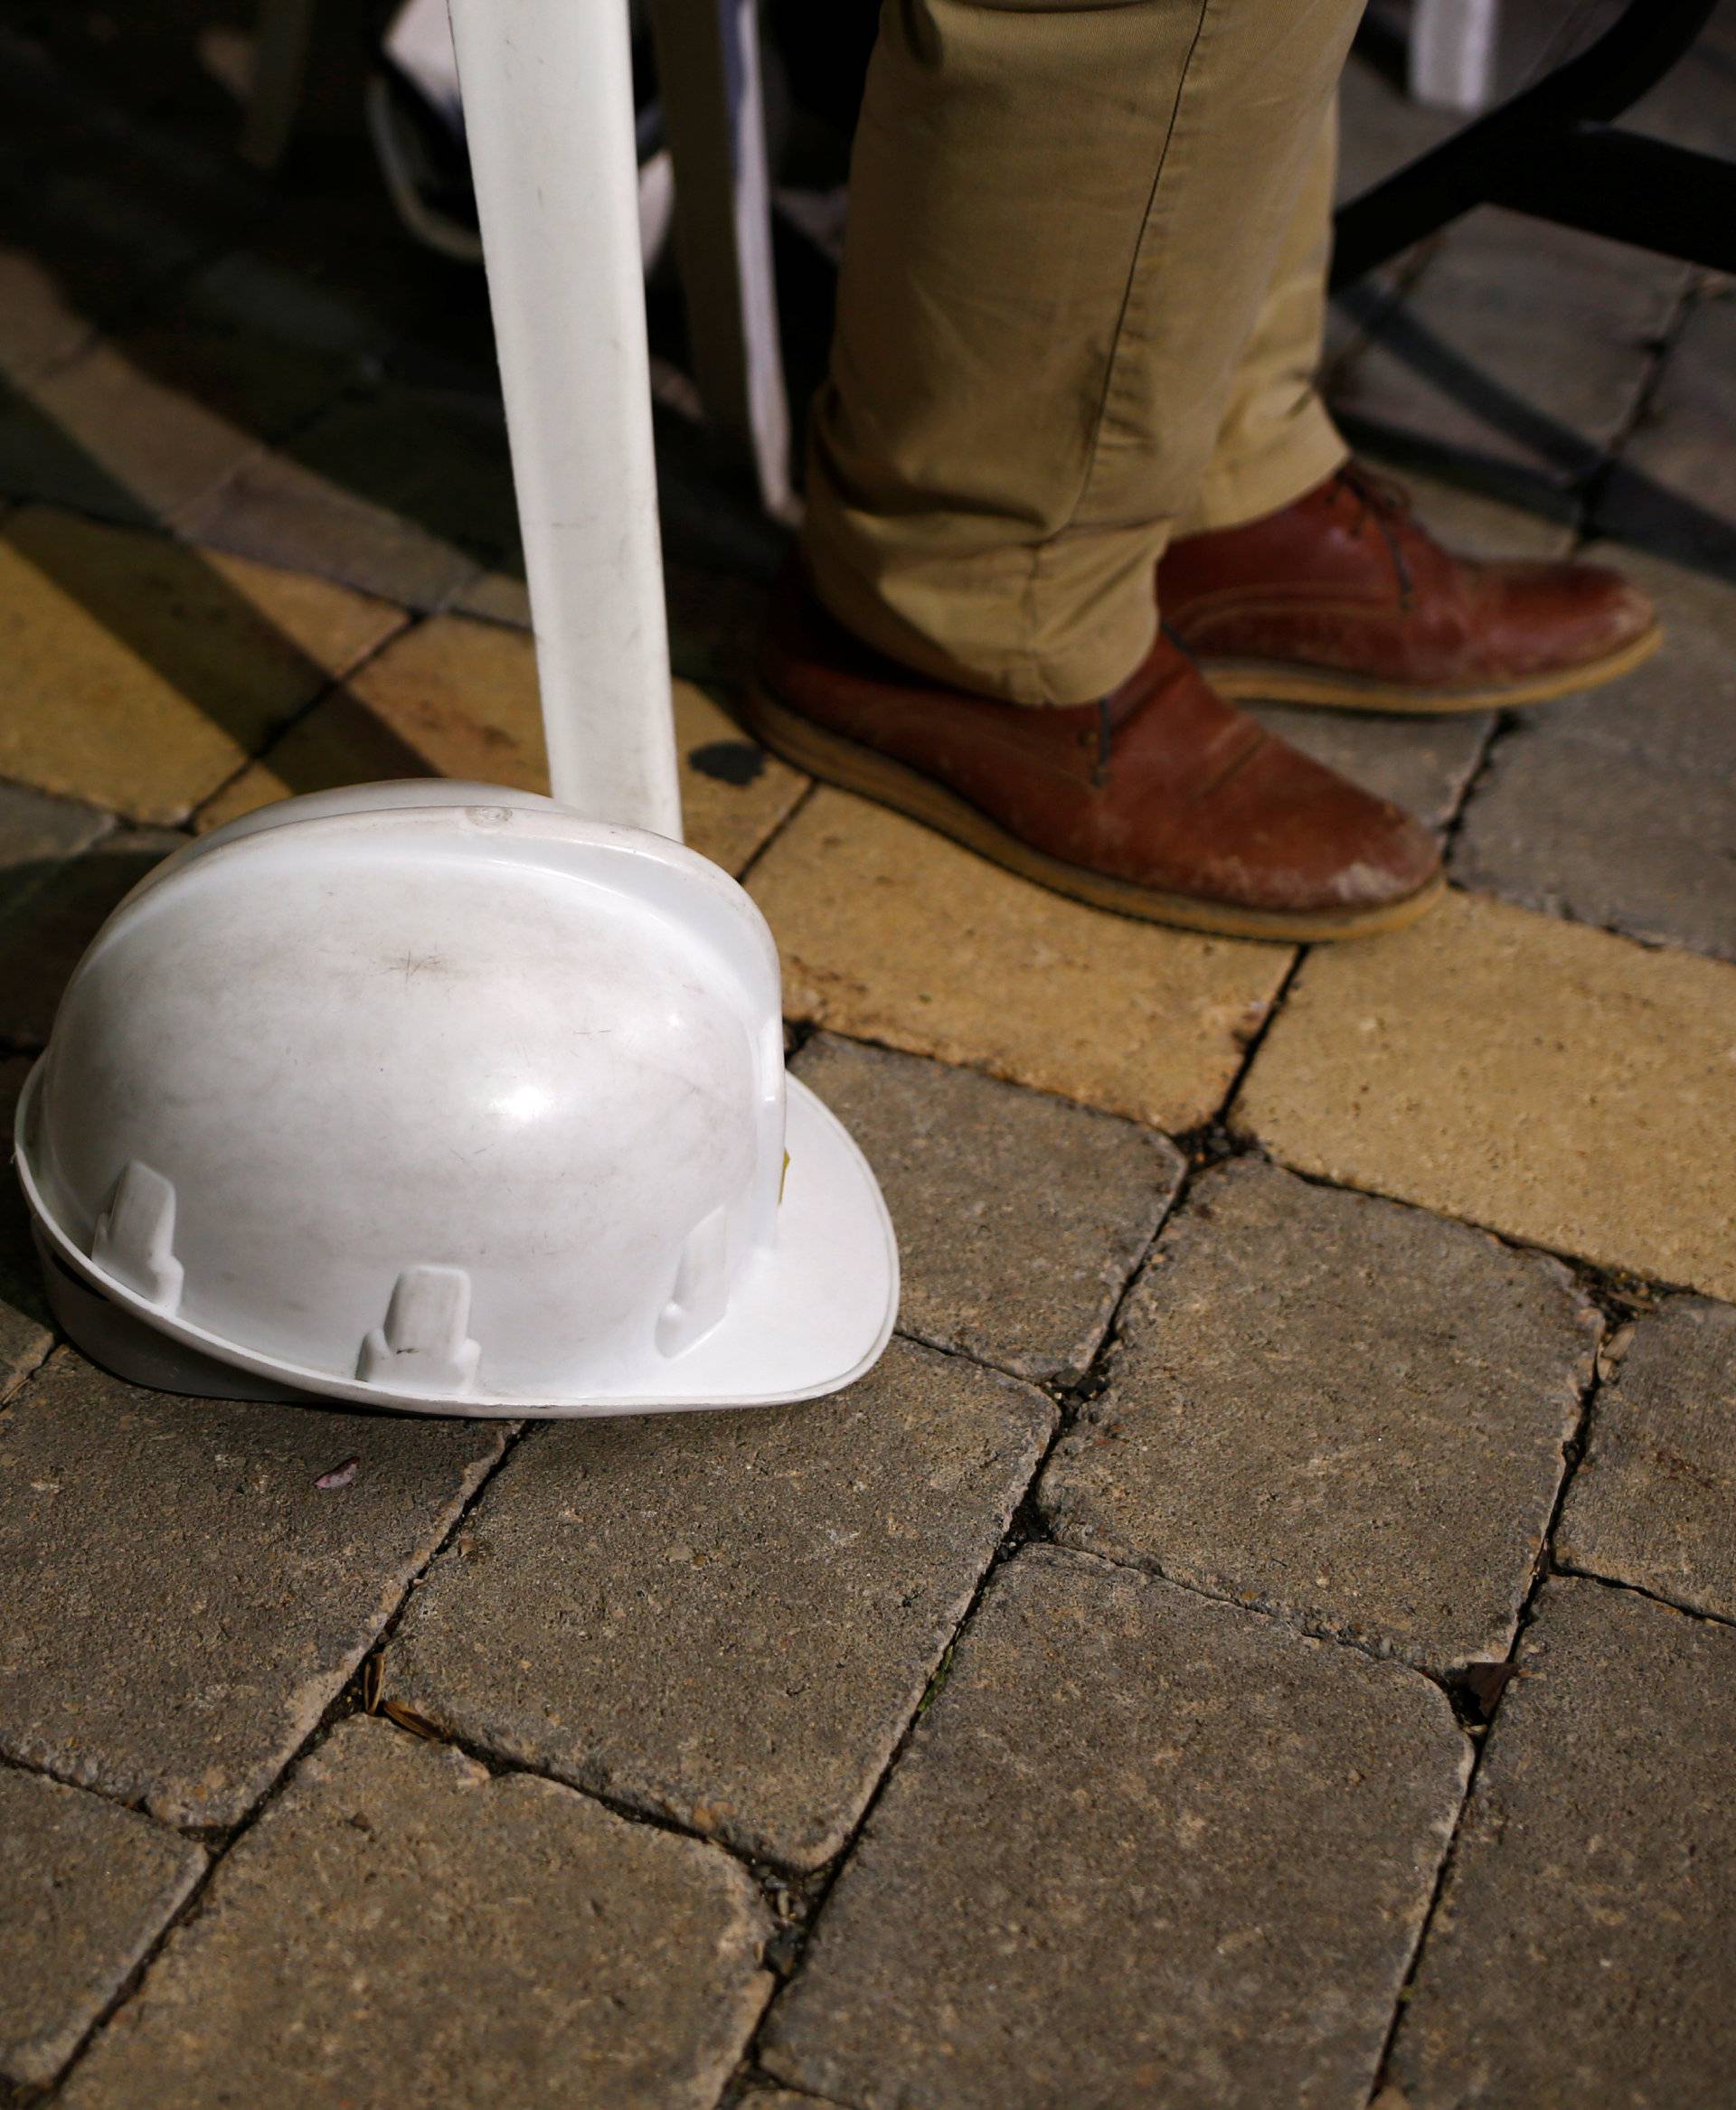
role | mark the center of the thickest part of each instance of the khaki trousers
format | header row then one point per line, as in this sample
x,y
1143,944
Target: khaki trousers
x,y
1080,310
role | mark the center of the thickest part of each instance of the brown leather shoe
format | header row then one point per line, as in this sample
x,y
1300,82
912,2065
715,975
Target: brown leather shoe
x,y
1162,801
1345,600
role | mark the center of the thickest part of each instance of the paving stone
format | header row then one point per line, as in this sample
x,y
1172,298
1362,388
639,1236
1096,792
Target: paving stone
x,y
1019,1217
45,929
1678,710
182,1600
1581,1951
38,832
1561,825
458,698
1523,347
406,495
1556,1084
1619,808
889,932
85,1888
137,428
1422,764
1691,104
1380,127
1654,1502
139,673
1341,1410
286,300
727,1619
1480,525
1674,486
25,1336
40,325
1143,1848
80,250
401,1927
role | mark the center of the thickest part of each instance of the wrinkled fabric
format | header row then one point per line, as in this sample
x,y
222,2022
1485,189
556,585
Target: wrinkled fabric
x,y
1080,310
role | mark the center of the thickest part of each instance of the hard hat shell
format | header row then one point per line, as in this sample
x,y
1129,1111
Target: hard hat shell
x,y
438,1097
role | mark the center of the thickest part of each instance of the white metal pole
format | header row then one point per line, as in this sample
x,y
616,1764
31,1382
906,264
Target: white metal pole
x,y
548,106
1453,52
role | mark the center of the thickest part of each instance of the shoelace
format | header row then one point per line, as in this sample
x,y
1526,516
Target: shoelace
x,y
1385,502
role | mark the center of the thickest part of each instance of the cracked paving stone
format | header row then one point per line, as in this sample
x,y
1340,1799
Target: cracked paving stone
x,y
727,1618
1344,1412
1653,1504
1143,1848
403,1927
183,1601
85,1889
1581,1953
889,932
1019,1217
1559,1085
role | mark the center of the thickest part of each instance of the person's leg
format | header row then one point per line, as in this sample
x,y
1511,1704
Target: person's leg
x,y
1276,439
1299,576
1065,216
1065,220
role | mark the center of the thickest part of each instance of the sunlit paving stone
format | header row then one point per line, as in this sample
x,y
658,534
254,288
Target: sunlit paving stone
x,y
141,673
456,697
889,932
1556,1084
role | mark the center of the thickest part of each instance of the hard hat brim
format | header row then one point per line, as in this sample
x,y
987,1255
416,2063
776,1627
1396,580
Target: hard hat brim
x,y
804,1318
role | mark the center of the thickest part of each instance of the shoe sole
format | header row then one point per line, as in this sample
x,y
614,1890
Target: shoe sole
x,y
1275,682
853,767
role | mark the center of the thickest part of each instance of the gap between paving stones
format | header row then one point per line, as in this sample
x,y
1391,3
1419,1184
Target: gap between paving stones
x,y
1207,1145
1574,1450
794,1913
795,1905
1476,1712
1610,1582
219,1843
1204,1140
413,620
1587,494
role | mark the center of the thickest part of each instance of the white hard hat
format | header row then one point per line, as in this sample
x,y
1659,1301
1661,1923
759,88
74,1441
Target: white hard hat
x,y
437,1097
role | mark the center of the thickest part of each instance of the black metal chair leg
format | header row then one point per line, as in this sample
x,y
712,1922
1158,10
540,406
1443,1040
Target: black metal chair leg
x,y
1551,151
